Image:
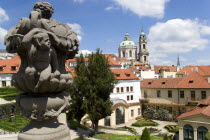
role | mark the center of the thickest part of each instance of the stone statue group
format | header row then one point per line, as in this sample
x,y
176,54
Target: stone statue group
x,y
43,45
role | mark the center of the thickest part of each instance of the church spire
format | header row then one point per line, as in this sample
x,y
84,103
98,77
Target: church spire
x,y
178,61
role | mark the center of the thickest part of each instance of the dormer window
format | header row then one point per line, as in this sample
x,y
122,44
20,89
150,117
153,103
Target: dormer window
x,y
1,68
127,74
13,68
191,81
117,75
163,83
149,83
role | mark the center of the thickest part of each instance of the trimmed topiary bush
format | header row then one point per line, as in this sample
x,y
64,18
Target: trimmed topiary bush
x,y
145,122
172,128
145,135
208,136
166,137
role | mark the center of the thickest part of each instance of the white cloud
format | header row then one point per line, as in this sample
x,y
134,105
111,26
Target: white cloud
x,y
80,1
77,28
3,15
149,8
202,61
3,32
177,36
111,7
84,52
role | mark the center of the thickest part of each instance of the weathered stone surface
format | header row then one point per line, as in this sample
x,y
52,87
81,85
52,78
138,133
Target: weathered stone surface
x,y
43,45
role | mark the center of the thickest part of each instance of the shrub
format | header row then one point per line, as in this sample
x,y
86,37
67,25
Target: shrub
x,y
138,117
208,136
172,128
144,122
130,129
166,137
145,135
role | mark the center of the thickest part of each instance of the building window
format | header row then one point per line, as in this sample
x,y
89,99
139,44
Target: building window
x,y
122,89
128,98
192,95
130,54
4,84
117,75
145,93
188,132
118,89
13,68
158,93
127,89
201,132
132,113
170,109
145,58
144,47
1,68
169,94
181,94
131,89
123,54
203,94
139,111
131,97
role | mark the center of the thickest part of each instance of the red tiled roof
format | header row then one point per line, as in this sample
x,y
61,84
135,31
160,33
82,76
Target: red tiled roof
x,y
160,83
118,59
110,60
205,110
194,80
202,70
123,74
141,64
137,69
7,64
157,69
205,101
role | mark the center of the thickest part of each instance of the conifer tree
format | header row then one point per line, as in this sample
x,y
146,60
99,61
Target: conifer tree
x,y
77,91
99,85
145,134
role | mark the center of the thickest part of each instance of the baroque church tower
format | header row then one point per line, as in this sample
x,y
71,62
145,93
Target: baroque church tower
x,y
143,51
127,49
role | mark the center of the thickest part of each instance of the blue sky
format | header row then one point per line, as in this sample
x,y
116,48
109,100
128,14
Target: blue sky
x,y
172,26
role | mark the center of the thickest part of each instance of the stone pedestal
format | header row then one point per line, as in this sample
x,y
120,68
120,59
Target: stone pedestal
x,y
47,120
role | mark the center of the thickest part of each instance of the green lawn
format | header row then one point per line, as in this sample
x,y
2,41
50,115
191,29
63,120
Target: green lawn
x,y
144,122
13,124
109,136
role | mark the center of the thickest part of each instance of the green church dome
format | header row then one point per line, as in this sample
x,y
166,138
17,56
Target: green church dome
x,y
127,41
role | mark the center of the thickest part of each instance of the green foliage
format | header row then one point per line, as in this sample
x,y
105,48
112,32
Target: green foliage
x,y
172,128
109,136
77,91
145,135
81,138
166,137
145,122
208,136
98,83
74,125
130,129
161,114
9,93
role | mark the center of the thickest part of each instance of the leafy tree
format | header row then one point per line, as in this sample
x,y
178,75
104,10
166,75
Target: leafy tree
x,y
166,137
77,91
100,83
145,134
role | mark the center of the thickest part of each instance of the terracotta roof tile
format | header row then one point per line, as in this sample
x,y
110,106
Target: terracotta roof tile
x,y
123,74
194,80
160,82
7,64
204,102
118,59
202,70
157,69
